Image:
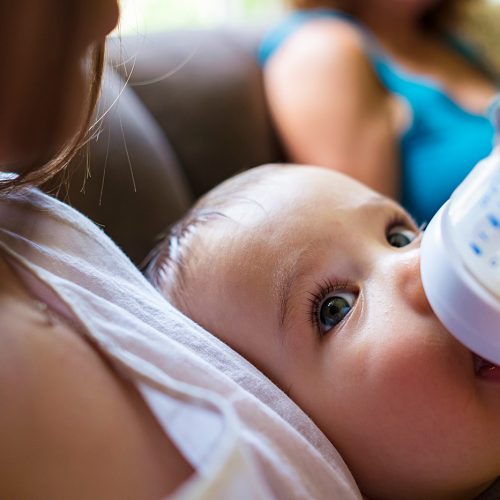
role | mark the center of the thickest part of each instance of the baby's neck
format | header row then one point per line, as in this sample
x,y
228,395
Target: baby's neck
x,y
398,30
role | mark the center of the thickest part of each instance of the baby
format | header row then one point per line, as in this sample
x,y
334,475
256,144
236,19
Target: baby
x,y
314,278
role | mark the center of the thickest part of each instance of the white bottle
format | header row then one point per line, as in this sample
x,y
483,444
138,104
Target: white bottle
x,y
460,260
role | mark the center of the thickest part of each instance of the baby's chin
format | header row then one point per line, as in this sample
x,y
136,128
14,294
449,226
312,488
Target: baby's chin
x,y
469,494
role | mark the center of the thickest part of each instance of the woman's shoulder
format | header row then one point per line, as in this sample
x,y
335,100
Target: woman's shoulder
x,y
326,54
68,422
315,33
324,44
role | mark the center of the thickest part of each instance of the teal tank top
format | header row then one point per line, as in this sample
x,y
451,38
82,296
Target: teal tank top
x,y
443,142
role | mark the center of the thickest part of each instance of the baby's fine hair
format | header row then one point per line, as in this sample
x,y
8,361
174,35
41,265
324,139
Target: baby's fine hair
x,y
167,266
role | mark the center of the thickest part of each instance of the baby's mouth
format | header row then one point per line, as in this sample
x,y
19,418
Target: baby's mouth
x,y
485,369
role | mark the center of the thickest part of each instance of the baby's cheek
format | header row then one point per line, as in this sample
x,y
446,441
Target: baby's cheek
x,y
410,390
384,387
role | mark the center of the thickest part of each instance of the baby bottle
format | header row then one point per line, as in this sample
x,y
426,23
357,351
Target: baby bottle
x,y
460,259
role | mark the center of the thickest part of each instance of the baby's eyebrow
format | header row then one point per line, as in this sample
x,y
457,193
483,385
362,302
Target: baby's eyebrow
x,y
296,267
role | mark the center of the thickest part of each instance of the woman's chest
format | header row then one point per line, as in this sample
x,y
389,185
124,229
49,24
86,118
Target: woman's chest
x,y
440,68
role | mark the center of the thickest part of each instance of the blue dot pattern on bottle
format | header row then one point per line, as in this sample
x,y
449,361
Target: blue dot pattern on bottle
x,y
485,241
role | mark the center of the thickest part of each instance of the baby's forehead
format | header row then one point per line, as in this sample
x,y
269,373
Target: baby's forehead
x,y
283,208
288,189
304,207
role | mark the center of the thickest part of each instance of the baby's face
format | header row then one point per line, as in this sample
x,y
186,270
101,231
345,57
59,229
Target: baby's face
x,y
315,279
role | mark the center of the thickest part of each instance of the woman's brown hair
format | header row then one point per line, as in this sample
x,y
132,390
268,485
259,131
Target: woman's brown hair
x,y
42,72
39,174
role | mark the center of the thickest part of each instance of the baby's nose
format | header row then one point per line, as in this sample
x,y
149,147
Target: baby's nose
x,y
409,282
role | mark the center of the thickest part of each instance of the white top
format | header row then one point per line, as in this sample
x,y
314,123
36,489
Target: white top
x,y
243,435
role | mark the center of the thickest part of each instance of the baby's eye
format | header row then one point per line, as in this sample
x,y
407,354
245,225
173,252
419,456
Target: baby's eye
x,y
400,236
334,309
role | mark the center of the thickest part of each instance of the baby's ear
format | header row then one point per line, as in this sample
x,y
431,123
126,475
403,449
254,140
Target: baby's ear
x,y
163,255
167,256
151,264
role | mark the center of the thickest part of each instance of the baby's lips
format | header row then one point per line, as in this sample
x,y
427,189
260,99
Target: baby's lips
x,y
486,370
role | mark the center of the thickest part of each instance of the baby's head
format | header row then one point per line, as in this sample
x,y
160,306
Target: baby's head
x,y
314,278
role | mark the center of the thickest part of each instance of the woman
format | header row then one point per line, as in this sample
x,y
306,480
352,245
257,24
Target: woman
x,y
48,371
376,90
106,390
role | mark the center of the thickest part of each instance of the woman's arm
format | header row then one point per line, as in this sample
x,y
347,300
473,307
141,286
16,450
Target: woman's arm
x,y
70,427
329,107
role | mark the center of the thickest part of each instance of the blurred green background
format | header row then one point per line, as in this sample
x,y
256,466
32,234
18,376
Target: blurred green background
x,y
143,16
